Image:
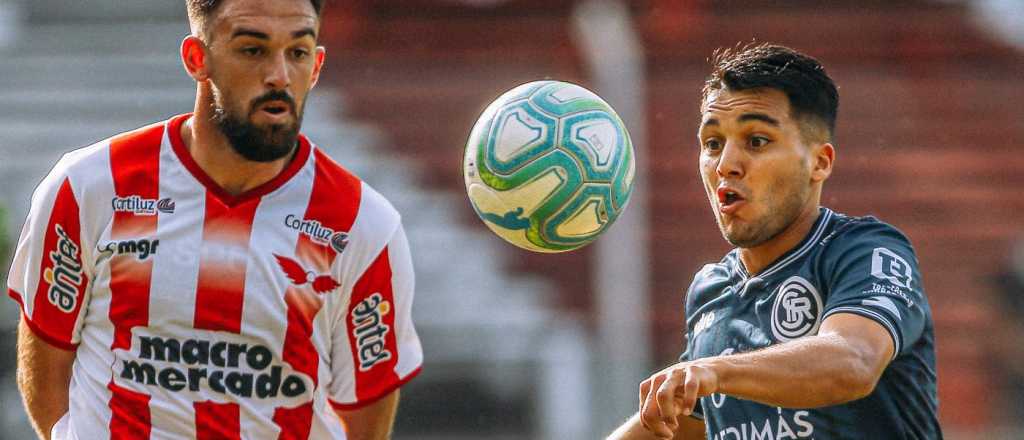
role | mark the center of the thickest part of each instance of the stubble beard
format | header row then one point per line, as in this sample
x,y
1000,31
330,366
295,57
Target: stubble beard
x,y
253,142
779,214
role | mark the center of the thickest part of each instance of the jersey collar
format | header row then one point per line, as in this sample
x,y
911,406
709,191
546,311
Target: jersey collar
x,y
185,157
793,254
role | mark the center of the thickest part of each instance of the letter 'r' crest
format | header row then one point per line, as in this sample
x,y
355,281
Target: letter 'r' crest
x,y
797,309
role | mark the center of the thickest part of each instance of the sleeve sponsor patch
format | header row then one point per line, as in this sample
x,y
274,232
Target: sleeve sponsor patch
x,y
887,265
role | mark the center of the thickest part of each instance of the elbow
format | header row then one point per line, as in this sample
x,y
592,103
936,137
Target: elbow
x,y
857,379
855,384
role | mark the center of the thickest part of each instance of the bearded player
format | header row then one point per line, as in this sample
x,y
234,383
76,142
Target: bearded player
x,y
816,325
216,275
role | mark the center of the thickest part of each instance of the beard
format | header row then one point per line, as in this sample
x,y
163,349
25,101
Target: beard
x,y
253,142
784,204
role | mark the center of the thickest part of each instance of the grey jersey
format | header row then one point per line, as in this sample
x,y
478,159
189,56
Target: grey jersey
x,y
844,265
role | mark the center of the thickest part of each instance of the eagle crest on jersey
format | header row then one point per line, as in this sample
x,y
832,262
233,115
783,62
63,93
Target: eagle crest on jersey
x,y
300,276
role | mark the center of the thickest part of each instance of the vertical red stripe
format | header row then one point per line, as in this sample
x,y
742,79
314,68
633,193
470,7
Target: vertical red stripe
x,y
295,422
372,381
129,414
217,421
298,348
222,265
135,166
334,201
61,270
220,293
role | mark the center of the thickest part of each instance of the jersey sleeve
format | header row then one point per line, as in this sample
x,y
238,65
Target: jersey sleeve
x,y
48,277
872,271
380,350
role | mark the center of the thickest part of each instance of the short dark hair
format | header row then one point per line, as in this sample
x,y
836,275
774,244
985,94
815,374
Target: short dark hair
x,y
811,92
199,11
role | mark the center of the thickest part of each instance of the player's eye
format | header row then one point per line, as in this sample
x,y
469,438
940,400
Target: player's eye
x,y
759,141
251,51
300,54
712,144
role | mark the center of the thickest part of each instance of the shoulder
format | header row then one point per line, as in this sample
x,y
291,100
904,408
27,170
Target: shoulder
x,y
850,234
89,167
84,164
346,184
864,249
371,220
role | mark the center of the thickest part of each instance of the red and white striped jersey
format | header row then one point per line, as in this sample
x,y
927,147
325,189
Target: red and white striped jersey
x,y
197,314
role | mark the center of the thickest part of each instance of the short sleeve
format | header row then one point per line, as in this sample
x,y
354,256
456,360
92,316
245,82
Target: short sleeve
x,y
872,272
380,350
48,276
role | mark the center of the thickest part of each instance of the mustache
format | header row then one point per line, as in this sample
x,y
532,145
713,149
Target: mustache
x,y
274,95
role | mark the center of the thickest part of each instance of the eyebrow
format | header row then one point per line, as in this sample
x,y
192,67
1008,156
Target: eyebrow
x,y
304,32
746,117
263,35
249,33
759,117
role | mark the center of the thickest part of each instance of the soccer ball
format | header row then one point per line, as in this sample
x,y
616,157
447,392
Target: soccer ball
x,y
549,166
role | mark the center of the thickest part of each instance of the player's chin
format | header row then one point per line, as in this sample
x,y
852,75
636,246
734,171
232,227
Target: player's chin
x,y
737,235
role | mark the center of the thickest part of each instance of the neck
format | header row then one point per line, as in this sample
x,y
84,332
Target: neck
x,y
757,258
213,153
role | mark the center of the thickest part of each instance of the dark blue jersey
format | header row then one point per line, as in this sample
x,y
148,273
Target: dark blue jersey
x,y
844,265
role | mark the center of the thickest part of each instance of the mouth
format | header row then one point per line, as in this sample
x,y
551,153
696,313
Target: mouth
x,y
729,200
275,109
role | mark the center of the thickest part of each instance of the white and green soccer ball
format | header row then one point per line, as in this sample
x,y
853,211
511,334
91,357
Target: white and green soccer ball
x,y
549,166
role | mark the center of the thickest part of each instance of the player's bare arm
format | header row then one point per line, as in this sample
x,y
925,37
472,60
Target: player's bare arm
x,y
372,422
686,428
840,364
44,375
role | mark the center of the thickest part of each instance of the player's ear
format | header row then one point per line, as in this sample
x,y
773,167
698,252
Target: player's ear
x,y
321,54
193,56
823,156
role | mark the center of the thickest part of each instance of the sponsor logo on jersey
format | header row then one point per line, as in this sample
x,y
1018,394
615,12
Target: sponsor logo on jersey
x,y
65,277
785,426
369,330
300,277
243,370
141,248
704,322
887,265
889,289
165,205
140,206
797,309
318,232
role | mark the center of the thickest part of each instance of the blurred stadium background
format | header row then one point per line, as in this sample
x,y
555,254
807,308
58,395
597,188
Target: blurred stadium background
x,y
520,345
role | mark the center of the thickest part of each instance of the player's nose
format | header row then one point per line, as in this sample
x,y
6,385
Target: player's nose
x,y
731,161
276,74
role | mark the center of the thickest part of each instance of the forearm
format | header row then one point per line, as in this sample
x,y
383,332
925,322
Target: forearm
x,y
44,376
806,373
